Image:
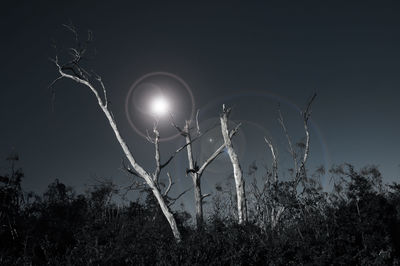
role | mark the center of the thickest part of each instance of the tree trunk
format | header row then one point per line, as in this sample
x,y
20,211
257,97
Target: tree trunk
x,y
198,197
146,176
237,171
199,201
167,212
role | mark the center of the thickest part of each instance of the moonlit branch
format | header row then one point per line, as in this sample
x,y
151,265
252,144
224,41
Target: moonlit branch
x,y
157,153
197,122
237,170
170,183
98,78
148,138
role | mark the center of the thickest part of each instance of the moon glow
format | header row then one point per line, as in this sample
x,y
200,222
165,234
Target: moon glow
x,y
159,106
156,95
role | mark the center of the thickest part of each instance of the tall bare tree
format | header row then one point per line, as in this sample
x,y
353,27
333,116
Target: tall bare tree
x,y
237,170
196,171
74,71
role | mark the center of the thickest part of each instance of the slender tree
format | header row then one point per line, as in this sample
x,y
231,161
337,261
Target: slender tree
x,y
237,170
74,71
195,171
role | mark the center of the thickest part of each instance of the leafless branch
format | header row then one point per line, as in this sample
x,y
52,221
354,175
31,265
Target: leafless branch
x,y
184,133
173,200
226,110
307,112
205,196
197,122
170,183
291,149
235,130
217,152
134,185
174,154
172,121
98,78
73,30
306,115
274,159
148,138
51,87
78,79
54,82
128,170
157,153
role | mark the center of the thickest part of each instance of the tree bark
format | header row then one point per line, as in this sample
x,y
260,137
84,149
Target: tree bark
x,y
237,171
199,201
198,197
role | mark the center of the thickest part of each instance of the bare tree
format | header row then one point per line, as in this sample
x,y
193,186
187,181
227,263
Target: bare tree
x,y
274,204
196,171
299,164
73,70
237,170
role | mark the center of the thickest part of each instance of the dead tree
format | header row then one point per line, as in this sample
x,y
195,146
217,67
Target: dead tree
x,y
74,71
237,170
195,171
275,207
299,163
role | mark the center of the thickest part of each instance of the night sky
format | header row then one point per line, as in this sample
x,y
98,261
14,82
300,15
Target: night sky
x,y
250,56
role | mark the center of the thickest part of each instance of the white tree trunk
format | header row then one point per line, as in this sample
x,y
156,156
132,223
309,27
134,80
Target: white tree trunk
x,y
196,172
237,171
146,176
198,197
139,169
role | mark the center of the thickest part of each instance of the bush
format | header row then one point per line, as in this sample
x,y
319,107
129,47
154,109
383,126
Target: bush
x,y
357,224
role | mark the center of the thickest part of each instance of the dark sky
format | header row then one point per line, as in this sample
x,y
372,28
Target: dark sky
x,y
248,55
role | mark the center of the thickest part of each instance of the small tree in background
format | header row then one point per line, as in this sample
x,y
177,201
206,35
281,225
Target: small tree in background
x,y
276,196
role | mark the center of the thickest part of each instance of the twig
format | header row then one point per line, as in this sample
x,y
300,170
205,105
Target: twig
x,y
173,200
169,185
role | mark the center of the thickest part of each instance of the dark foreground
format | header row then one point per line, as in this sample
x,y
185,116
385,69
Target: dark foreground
x,y
357,224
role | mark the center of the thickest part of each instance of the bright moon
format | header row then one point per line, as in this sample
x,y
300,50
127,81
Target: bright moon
x,y
159,106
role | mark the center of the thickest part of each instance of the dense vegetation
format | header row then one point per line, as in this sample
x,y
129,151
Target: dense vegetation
x,y
358,223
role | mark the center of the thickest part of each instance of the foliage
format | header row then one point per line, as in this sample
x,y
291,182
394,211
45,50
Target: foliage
x,y
356,224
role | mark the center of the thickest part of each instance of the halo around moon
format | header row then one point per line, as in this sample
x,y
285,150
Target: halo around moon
x,y
159,94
